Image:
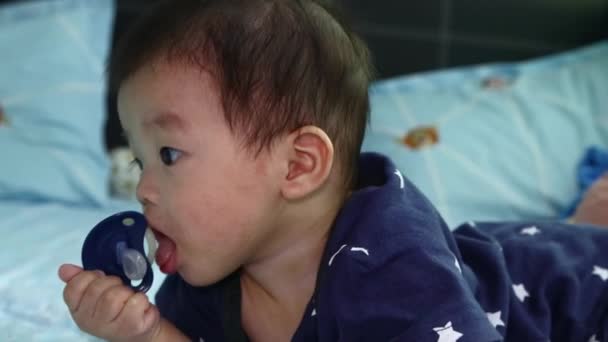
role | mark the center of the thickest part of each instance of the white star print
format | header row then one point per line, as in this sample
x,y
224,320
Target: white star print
x,y
360,249
495,319
457,265
401,183
601,272
594,339
530,231
447,333
521,292
201,340
352,249
314,313
333,256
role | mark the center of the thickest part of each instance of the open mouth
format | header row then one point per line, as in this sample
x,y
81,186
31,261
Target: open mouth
x,y
164,254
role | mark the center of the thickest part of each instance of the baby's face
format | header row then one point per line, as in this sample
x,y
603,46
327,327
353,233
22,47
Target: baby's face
x,y
216,205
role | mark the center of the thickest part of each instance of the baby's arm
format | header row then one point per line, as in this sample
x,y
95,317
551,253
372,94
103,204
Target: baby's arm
x,y
102,306
594,207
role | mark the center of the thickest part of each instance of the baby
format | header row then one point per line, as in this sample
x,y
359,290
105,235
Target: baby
x,y
246,118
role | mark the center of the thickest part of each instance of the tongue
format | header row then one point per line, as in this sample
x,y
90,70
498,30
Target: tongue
x,y
165,251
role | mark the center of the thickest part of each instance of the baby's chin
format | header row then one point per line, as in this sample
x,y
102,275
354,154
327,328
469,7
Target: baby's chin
x,y
196,276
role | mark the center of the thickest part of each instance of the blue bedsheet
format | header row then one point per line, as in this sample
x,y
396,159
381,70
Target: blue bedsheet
x,y
35,239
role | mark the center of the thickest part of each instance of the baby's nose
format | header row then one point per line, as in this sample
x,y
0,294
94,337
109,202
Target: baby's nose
x,y
147,191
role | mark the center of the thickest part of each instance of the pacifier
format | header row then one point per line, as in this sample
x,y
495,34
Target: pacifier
x,y
116,247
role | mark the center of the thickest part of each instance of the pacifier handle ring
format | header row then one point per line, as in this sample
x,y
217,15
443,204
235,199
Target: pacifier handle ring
x,y
145,283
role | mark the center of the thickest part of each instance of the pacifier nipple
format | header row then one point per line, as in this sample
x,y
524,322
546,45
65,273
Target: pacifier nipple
x,y
152,245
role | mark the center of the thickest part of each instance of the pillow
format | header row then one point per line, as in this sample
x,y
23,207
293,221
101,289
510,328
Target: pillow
x,y
498,141
52,92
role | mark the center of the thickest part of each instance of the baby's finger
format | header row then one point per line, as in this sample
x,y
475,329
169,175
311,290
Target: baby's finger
x,y
151,315
68,271
76,287
93,293
138,315
111,302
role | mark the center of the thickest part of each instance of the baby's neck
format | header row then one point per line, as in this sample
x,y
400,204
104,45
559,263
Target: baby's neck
x,y
272,304
276,289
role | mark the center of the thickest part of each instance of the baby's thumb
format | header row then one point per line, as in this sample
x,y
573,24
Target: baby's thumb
x,y
68,271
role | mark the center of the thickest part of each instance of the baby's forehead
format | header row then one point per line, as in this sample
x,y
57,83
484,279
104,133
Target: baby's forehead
x,y
170,97
168,81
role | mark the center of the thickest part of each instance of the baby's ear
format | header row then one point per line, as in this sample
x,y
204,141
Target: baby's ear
x,y
310,160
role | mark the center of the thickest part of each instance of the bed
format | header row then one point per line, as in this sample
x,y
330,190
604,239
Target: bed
x,y
486,107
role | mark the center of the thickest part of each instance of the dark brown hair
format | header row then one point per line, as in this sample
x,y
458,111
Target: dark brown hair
x,y
279,65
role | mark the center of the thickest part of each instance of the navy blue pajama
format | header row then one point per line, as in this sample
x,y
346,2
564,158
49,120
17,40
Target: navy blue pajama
x,y
393,271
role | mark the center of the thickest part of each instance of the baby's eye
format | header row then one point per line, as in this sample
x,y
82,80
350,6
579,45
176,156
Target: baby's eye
x,y
169,155
137,162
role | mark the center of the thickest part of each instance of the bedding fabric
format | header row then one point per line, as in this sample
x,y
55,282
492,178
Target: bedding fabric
x,y
499,141
36,239
52,95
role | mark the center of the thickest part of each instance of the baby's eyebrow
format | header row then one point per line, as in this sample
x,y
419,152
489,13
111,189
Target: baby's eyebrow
x,y
166,120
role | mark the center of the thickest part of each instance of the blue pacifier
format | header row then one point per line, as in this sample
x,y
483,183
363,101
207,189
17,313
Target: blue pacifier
x,y
116,246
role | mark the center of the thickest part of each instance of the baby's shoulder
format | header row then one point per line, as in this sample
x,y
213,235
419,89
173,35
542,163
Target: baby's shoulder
x,y
393,249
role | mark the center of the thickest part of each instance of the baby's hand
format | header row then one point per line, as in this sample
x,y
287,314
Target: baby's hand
x,y
104,307
594,207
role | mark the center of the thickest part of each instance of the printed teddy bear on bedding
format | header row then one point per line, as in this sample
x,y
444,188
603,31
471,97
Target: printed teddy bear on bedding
x,y
125,175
